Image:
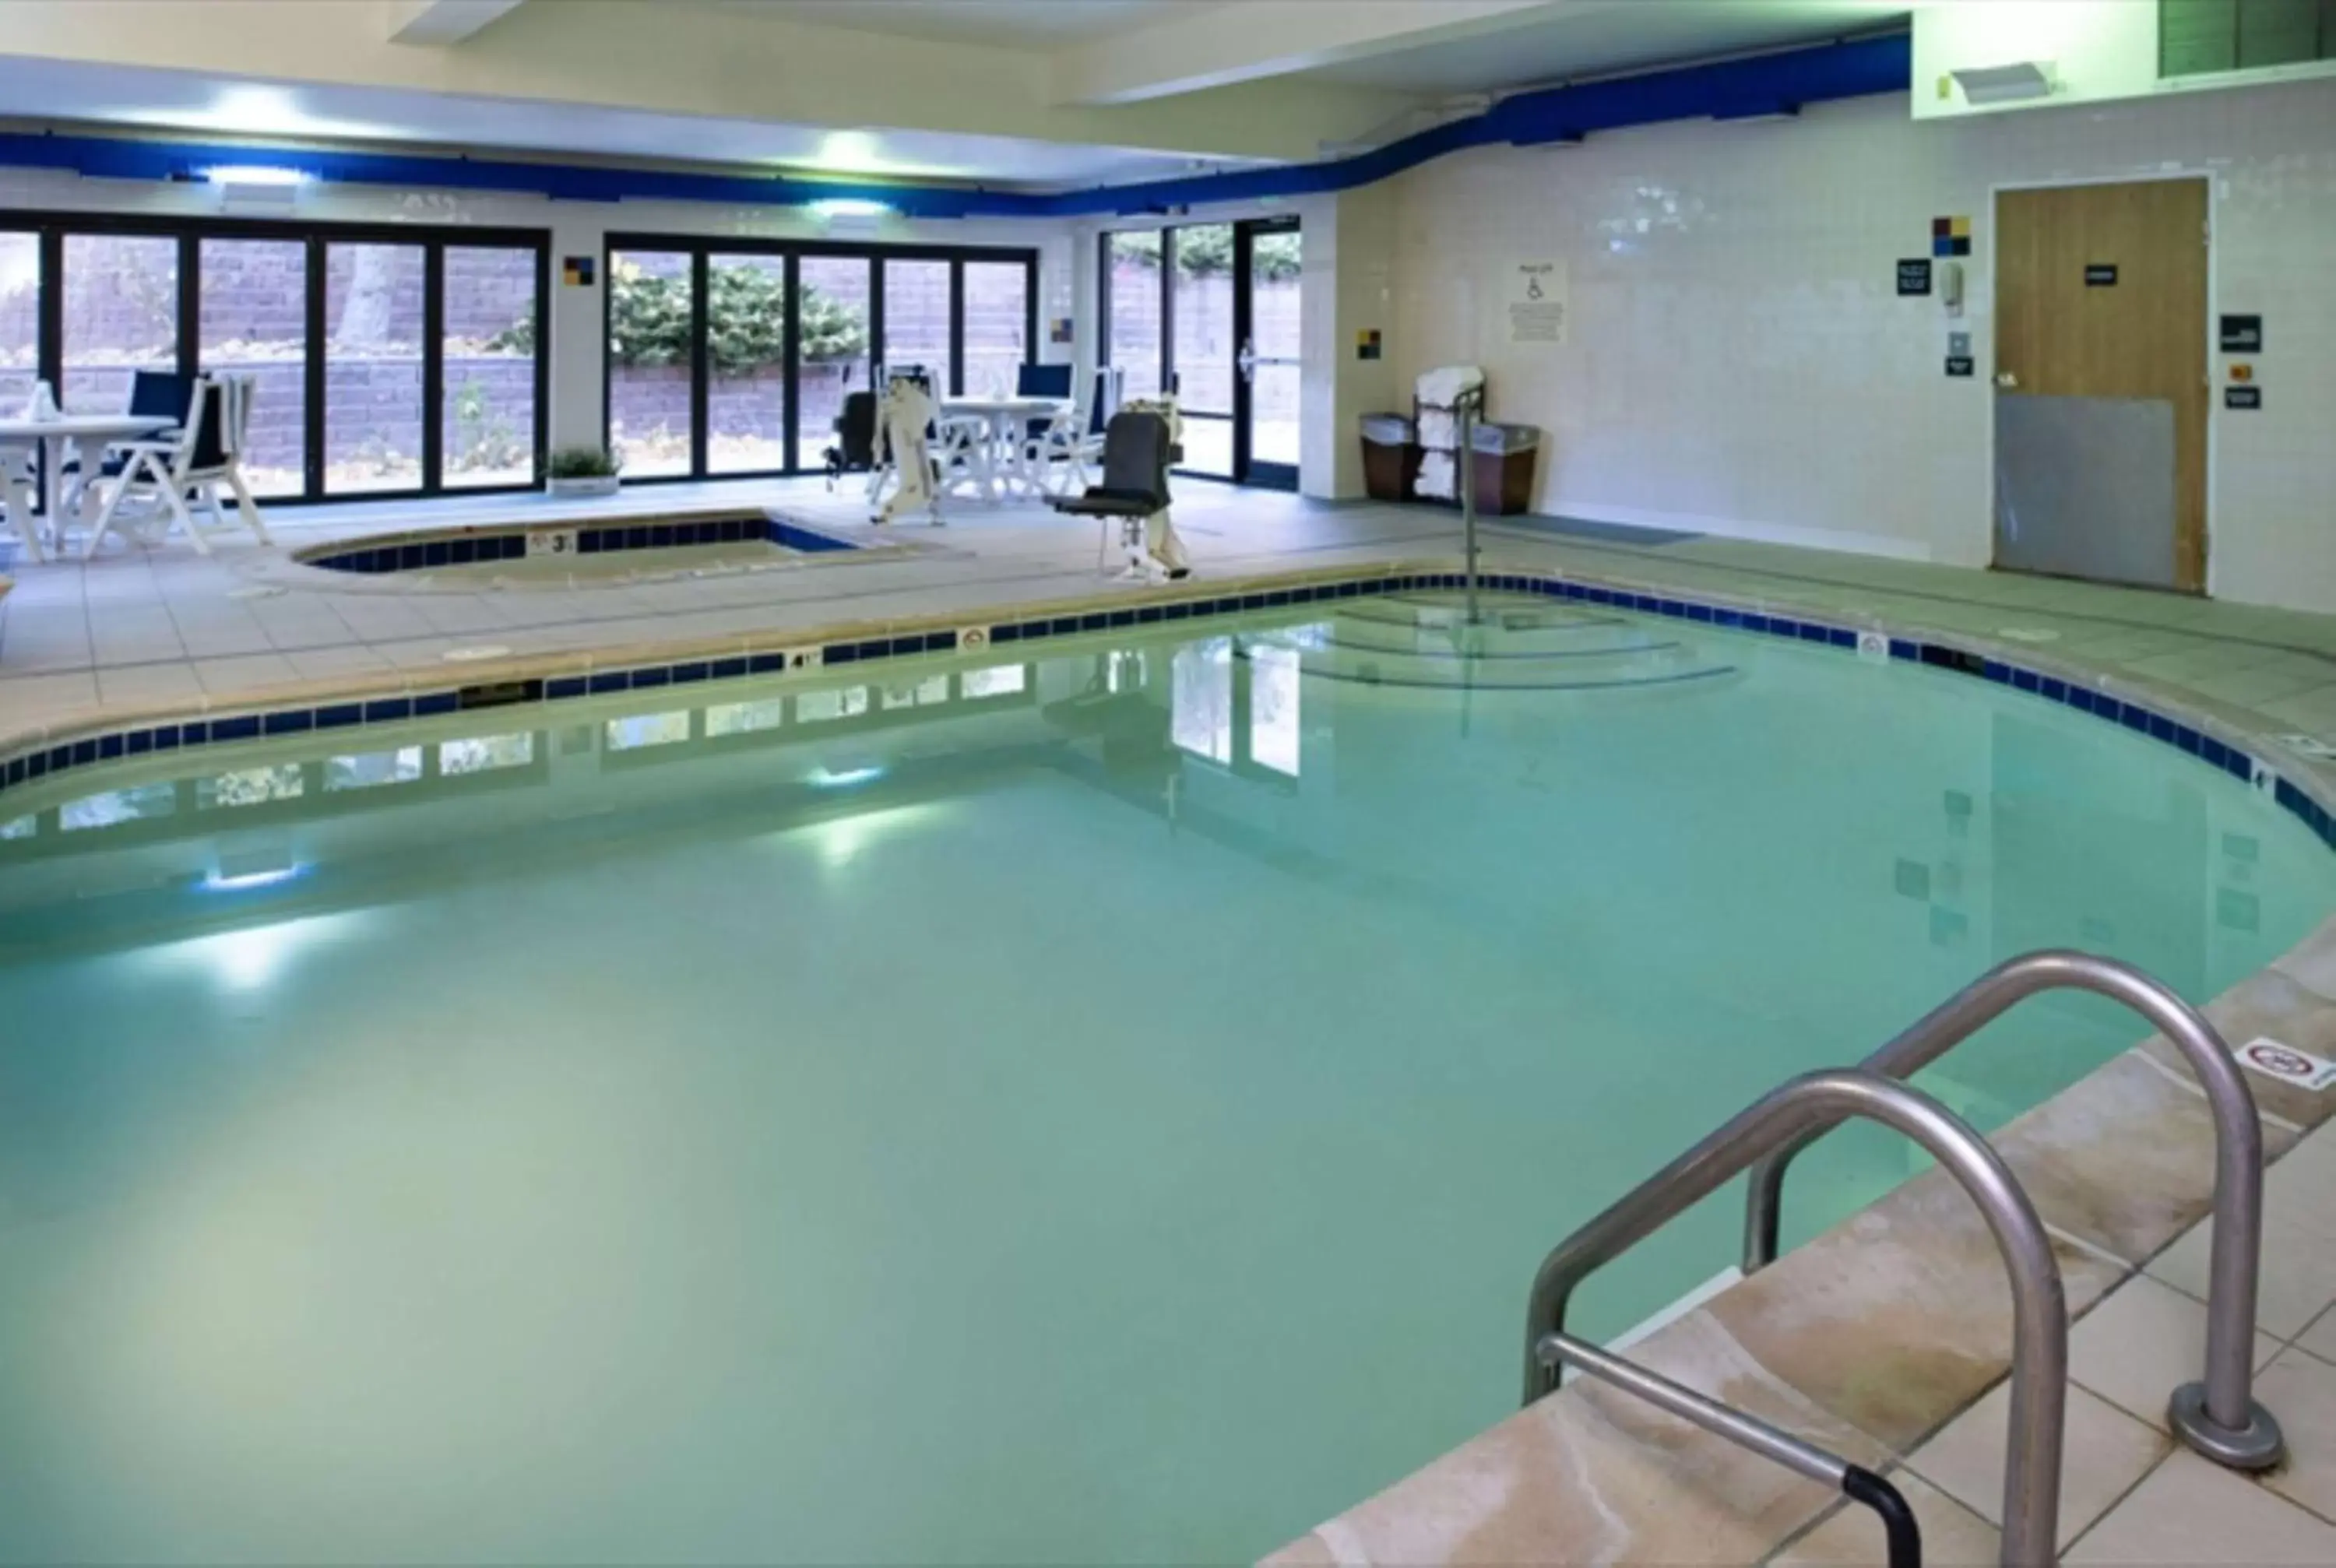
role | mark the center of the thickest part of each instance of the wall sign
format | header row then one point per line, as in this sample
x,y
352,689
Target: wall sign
x,y
575,271
1058,329
1366,343
2100,275
1536,294
1914,276
2243,335
2248,397
1958,364
1950,236
1959,343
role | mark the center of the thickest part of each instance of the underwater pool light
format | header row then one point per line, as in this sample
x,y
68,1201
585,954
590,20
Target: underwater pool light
x,y
822,778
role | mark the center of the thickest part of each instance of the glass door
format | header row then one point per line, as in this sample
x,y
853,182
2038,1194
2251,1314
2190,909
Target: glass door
x,y
745,363
1211,312
833,346
373,395
1200,343
1266,264
251,309
121,317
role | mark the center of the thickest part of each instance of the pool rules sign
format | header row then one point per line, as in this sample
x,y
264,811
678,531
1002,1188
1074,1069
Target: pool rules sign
x,y
1537,303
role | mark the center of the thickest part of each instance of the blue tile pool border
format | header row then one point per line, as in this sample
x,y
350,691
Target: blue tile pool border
x,y
52,756
471,546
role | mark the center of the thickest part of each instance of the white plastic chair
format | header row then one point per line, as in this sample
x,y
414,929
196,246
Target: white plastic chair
x,y
16,484
1075,436
161,478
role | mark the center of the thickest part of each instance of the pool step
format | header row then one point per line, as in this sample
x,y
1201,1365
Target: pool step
x,y
1517,643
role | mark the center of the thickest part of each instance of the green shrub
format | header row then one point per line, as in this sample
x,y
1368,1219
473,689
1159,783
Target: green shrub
x,y
584,463
745,321
1206,250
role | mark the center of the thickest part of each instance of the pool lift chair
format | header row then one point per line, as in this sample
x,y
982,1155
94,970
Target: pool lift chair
x,y
903,452
1139,445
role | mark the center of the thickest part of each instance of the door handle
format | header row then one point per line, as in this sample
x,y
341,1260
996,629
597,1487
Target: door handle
x,y
2006,380
1247,360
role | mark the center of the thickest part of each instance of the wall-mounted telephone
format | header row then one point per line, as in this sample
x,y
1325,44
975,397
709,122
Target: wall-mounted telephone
x,y
1951,286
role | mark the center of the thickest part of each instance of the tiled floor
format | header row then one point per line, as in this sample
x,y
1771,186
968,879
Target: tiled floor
x,y
2128,1494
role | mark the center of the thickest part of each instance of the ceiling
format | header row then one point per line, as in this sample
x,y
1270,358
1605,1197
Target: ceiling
x,y
69,92
1162,92
1011,24
1608,38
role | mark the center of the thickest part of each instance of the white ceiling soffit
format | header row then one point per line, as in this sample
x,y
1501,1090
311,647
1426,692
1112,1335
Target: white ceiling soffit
x,y
1588,40
197,105
1004,24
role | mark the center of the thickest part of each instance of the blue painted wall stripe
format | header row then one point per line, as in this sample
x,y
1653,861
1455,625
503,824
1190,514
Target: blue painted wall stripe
x,y
1761,84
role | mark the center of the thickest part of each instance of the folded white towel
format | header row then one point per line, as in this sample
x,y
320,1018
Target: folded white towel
x,y
1438,431
1441,388
1435,476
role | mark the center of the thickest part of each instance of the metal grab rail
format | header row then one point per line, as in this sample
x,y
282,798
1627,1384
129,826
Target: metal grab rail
x,y
1859,1484
2040,1355
2219,1417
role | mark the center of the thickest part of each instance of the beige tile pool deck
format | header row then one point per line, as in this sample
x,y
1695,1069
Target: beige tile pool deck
x,y
1886,1339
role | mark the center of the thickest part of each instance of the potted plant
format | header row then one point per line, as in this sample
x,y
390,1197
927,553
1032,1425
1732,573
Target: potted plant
x,y
583,470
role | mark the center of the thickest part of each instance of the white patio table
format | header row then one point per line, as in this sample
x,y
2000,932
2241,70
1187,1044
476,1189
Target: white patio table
x,y
93,433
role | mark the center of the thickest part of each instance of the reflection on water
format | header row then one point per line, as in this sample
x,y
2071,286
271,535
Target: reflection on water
x,y
648,1129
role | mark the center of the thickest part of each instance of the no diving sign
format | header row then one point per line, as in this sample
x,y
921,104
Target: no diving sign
x,y
2288,1065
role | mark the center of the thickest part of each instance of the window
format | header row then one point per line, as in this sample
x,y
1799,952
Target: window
x,y
744,717
20,318
487,409
1275,684
344,331
2198,36
250,786
121,316
813,707
373,368
136,804
483,754
996,326
1000,680
1132,291
252,308
367,769
834,328
1201,699
745,363
649,730
652,306
750,377
917,693
917,319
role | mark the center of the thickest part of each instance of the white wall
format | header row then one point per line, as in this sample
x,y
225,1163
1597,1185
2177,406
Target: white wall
x,y
578,229
1739,362
2096,50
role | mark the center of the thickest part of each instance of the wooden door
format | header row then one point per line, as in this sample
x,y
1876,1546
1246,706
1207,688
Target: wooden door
x,y
2101,294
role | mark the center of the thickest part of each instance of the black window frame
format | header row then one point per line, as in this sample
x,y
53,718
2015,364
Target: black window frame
x,y
315,234
702,248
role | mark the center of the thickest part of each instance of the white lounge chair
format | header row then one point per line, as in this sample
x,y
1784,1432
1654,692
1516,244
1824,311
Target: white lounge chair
x,y
161,479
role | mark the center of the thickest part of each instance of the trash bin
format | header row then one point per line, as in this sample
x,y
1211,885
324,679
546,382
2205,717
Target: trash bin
x,y
1390,456
1504,456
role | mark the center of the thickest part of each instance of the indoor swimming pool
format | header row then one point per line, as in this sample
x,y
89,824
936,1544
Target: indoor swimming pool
x,y
1103,1101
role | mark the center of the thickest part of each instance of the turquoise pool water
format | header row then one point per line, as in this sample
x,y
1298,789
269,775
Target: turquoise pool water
x,y
1107,1107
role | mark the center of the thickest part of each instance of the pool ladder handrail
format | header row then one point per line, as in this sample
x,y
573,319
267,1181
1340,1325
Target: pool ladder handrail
x,y
2039,1354
1900,1530
2217,1416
